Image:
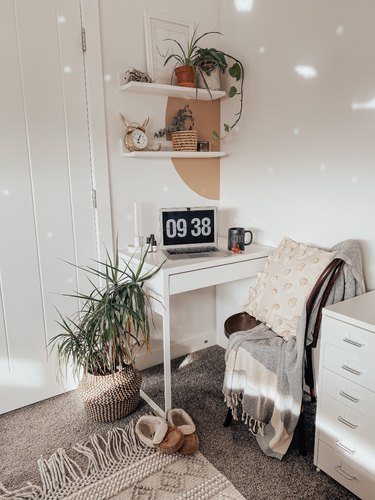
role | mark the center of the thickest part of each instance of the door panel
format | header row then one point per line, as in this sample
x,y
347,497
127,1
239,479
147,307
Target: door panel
x,y
46,210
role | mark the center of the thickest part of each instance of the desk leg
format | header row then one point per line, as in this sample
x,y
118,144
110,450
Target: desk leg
x,y
166,365
167,356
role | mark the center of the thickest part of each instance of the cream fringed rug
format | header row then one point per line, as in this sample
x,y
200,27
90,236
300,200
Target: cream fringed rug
x,y
120,467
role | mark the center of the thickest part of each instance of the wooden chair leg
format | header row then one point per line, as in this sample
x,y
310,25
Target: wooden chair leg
x,y
228,418
301,433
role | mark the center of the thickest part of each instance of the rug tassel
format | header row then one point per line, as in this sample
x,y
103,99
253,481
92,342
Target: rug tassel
x,y
59,473
58,470
29,492
119,445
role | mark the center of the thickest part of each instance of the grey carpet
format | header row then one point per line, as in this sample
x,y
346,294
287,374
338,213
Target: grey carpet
x,y
60,422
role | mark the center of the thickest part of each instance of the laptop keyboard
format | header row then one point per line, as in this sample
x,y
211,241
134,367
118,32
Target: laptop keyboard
x,y
192,250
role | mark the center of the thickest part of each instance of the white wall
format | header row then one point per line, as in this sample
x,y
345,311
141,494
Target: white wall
x,y
152,183
302,161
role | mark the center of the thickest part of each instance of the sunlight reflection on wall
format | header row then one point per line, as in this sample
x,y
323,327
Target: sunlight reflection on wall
x,y
244,5
29,374
306,71
364,105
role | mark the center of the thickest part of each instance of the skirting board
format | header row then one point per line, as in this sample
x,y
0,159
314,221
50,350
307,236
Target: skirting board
x,y
184,346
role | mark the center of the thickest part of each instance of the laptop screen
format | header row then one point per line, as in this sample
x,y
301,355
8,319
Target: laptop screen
x,y
188,226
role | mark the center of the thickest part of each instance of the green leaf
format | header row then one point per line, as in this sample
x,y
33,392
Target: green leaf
x,y
226,127
215,136
232,91
112,325
235,71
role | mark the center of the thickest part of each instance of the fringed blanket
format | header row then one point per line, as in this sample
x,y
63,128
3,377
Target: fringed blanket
x,y
264,373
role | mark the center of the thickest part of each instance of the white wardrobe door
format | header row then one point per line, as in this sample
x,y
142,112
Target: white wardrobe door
x,y
46,211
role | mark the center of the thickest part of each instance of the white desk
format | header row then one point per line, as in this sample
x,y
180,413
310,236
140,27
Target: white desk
x,y
187,275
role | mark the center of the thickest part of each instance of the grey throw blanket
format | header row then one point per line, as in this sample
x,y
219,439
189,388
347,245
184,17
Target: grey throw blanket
x,y
264,373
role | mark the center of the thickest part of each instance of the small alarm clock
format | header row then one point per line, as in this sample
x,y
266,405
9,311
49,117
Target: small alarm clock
x,y
135,136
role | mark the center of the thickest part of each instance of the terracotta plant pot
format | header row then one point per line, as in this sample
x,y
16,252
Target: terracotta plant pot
x,y
185,76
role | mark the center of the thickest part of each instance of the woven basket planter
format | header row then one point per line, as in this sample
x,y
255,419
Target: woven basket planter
x,y
110,397
186,140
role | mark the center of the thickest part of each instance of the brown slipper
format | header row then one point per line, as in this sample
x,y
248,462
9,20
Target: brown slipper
x,y
183,422
172,442
156,433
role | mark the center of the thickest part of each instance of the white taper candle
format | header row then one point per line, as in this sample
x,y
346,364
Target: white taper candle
x,y
136,227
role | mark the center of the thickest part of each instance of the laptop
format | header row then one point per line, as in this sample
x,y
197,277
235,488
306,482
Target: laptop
x,y
189,232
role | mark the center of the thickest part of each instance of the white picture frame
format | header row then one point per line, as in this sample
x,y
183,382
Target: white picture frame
x,y
158,27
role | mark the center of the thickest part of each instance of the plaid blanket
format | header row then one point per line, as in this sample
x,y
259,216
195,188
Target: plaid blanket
x,y
264,373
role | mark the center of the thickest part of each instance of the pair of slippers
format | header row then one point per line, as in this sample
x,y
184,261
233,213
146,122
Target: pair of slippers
x,y
178,433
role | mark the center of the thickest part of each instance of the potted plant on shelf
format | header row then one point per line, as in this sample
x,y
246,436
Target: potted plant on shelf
x,y
211,60
209,64
102,340
185,60
202,63
184,138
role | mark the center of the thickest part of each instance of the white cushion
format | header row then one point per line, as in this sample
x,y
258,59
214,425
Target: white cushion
x,y
284,285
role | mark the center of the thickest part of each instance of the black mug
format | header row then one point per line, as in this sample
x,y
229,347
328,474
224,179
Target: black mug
x,y
236,238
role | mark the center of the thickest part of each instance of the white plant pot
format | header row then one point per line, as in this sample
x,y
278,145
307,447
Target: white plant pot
x,y
212,80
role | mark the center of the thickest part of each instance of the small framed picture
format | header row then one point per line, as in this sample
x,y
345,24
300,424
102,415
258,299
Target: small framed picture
x,y
158,28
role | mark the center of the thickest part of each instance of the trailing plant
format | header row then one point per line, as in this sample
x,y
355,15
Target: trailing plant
x,y
179,122
209,59
113,323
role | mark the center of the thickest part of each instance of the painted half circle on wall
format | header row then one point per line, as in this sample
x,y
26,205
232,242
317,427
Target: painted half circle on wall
x,y
202,175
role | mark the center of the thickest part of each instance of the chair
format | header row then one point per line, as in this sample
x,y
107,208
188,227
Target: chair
x,y
243,321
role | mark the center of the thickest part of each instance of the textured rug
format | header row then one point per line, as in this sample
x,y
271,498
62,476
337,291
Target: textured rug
x,y
118,466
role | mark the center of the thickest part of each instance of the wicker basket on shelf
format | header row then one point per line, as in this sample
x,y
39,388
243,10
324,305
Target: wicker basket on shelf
x,y
185,140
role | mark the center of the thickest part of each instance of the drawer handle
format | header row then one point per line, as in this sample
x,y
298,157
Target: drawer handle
x,y
345,448
351,370
346,422
343,472
353,342
348,396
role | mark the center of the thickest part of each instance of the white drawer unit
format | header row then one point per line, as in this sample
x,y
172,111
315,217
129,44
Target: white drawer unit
x,y
345,418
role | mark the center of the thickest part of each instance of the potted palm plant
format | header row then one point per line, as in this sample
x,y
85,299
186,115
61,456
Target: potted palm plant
x,y
102,340
184,138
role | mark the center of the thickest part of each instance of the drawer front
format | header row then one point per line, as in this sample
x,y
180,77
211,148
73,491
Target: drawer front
x,y
348,393
349,365
345,472
216,275
350,338
346,431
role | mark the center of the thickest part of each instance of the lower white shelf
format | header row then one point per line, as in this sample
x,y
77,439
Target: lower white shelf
x,y
173,154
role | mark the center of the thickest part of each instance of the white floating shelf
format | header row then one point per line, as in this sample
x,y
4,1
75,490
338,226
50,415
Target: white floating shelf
x,y
172,91
173,154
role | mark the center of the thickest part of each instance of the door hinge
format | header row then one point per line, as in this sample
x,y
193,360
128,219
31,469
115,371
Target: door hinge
x,y
94,202
83,38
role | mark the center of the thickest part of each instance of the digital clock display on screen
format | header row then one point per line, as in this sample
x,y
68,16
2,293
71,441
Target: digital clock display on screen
x,y
188,227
